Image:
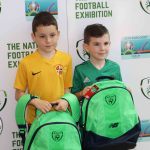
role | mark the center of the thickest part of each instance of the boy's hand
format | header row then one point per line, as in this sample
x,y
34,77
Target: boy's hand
x,y
62,105
84,91
81,94
42,105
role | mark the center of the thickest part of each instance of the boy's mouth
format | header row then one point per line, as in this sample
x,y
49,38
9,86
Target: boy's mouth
x,y
47,46
101,53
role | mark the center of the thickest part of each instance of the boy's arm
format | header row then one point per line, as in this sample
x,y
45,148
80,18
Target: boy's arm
x,y
62,104
18,94
42,105
81,93
67,90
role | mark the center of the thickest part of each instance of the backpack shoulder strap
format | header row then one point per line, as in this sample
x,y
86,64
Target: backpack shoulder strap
x,y
74,105
20,114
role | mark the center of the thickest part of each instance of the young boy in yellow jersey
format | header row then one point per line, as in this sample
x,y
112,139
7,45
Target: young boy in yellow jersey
x,y
46,73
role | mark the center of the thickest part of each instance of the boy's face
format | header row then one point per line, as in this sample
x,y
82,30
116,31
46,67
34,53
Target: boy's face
x,y
98,47
46,38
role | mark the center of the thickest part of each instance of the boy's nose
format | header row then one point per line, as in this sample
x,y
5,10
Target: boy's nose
x,y
48,39
102,47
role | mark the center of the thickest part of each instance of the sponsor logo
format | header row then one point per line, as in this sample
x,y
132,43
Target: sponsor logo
x,y
57,136
145,5
1,126
83,55
110,99
145,87
86,80
34,73
3,99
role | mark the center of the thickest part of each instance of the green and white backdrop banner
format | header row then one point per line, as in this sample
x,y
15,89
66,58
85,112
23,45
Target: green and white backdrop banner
x,y
128,22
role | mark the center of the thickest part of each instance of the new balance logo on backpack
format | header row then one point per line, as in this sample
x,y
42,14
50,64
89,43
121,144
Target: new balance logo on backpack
x,y
109,118
114,125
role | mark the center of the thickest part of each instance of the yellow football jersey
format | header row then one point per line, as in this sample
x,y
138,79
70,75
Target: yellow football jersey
x,y
45,78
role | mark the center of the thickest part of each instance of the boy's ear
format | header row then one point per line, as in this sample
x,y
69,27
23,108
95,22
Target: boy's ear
x,y
32,36
58,33
86,47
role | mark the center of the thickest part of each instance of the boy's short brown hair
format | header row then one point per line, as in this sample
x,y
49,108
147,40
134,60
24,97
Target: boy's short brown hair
x,y
94,30
43,18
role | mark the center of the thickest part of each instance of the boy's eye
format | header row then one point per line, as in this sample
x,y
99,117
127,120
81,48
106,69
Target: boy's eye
x,y
96,44
106,43
52,35
42,36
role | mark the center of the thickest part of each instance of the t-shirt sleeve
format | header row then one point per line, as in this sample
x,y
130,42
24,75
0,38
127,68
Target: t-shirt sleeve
x,y
21,77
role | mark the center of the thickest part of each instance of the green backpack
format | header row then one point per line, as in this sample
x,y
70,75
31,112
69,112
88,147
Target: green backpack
x,y
51,131
109,117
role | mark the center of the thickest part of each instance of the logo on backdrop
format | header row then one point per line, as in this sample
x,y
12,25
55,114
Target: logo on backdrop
x,y
16,141
1,126
145,5
17,51
3,99
34,7
92,9
145,128
83,55
145,87
135,47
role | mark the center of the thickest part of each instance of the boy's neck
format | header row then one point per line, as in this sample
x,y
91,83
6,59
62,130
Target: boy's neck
x,y
98,64
47,55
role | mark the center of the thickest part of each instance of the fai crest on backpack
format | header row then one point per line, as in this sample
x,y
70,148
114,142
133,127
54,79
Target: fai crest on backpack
x,y
110,99
57,136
